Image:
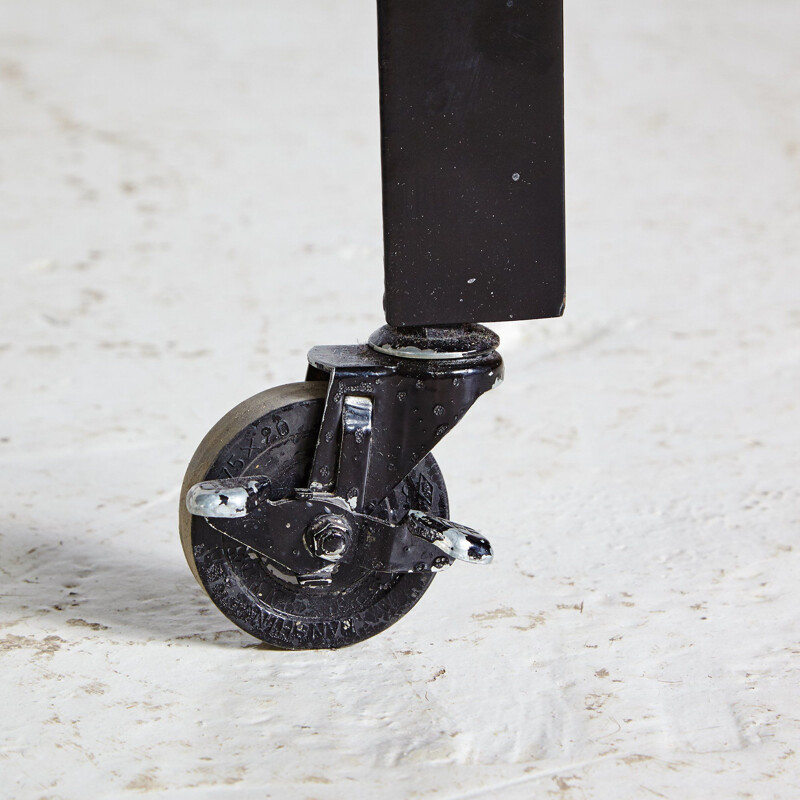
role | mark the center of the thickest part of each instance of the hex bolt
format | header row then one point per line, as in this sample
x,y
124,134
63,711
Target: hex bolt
x,y
328,537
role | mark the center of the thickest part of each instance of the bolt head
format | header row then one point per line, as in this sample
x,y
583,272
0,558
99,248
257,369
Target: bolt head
x,y
440,563
330,544
329,536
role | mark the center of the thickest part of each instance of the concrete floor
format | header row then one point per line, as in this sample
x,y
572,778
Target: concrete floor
x,y
189,199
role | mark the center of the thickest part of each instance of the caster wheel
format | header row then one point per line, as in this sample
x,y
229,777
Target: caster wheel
x,y
274,434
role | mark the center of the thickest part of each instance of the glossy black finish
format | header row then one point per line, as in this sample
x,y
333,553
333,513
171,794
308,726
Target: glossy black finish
x,y
359,602
278,531
416,402
473,159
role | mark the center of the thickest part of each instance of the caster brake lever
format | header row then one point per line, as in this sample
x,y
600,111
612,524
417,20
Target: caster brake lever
x,y
313,527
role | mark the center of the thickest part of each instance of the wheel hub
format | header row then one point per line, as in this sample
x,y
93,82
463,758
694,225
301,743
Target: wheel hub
x,y
329,536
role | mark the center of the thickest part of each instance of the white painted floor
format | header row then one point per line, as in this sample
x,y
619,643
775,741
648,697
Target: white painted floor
x,y
189,201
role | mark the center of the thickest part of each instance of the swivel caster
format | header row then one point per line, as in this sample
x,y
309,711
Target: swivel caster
x,y
313,514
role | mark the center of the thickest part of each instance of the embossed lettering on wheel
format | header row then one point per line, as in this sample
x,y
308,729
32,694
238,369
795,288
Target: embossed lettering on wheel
x,y
254,594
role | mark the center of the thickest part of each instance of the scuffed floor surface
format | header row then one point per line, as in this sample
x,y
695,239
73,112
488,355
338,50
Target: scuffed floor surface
x,y
190,200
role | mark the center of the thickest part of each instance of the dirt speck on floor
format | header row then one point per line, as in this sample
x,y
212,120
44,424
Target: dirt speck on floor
x,y
42,647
